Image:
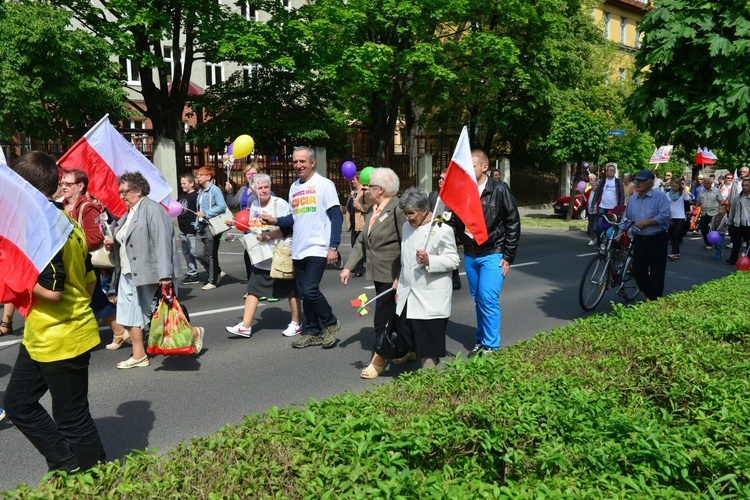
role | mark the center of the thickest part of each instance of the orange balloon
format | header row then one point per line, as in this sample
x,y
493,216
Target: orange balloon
x,y
242,219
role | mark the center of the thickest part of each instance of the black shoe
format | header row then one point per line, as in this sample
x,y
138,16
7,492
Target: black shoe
x,y
731,261
191,280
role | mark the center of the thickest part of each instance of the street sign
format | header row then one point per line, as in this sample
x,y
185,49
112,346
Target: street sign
x,y
617,132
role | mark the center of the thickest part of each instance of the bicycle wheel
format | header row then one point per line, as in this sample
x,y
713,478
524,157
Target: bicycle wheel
x,y
628,288
594,283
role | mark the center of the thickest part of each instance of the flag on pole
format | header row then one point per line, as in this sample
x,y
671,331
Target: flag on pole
x,y
32,231
661,155
460,193
104,155
705,157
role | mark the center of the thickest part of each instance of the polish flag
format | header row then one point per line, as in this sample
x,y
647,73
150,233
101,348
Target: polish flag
x,y
460,192
104,155
32,231
705,157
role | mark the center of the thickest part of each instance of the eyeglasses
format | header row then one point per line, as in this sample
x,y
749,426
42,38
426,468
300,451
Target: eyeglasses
x,y
123,192
67,184
375,186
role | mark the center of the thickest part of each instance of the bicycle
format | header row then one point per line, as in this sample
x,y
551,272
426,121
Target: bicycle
x,y
612,268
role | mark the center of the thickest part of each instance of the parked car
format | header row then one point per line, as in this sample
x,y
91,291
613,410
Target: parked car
x,y
579,205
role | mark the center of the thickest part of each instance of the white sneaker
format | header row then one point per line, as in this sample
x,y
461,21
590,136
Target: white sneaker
x,y
220,276
241,330
208,286
292,330
730,245
592,243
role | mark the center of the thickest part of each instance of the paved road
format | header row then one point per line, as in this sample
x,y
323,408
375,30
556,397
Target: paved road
x,y
177,398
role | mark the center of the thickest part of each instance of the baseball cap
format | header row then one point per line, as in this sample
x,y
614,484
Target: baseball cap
x,y
644,175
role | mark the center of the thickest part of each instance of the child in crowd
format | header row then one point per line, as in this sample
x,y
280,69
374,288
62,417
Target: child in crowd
x,y
719,224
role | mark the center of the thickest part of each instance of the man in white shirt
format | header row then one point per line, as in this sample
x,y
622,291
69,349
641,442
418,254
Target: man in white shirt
x,y
609,194
316,221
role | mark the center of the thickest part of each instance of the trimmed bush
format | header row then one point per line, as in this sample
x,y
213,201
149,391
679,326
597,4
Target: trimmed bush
x,y
650,401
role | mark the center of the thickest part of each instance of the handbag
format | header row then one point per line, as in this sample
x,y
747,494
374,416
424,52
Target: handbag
x,y
218,224
282,267
170,331
101,257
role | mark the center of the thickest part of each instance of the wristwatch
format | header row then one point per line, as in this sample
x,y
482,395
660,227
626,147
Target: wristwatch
x,y
335,249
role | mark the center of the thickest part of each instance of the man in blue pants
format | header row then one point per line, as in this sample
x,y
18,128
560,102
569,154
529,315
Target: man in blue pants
x,y
487,264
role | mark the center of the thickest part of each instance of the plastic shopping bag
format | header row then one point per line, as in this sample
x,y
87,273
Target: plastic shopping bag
x,y
170,330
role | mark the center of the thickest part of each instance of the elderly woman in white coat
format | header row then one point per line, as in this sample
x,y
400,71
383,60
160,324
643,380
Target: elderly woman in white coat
x,y
425,285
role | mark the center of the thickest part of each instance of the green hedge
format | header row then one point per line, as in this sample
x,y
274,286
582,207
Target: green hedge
x,y
650,401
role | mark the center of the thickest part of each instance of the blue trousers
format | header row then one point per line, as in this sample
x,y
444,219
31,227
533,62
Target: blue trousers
x,y
485,277
318,312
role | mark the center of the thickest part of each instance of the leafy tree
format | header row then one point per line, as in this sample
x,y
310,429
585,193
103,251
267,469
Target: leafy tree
x,y
511,68
631,152
695,65
54,81
375,53
282,100
578,135
206,30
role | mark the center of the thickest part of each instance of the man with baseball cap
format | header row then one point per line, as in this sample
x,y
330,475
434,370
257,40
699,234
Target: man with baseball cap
x,y
648,209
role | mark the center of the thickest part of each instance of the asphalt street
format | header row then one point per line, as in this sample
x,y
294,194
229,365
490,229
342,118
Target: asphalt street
x,y
177,398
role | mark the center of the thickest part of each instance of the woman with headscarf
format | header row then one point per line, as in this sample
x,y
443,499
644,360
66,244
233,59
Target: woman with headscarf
x,y
145,246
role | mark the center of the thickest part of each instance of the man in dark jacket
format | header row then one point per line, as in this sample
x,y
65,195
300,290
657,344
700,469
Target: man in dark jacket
x,y
487,264
609,194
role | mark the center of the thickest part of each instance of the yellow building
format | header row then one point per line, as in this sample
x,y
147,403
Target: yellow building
x,y
619,22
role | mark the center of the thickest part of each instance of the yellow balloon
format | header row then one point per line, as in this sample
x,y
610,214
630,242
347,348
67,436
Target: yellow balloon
x,y
243,146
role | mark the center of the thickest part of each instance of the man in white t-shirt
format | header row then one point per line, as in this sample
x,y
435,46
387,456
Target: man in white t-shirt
x,y
609,194
316,221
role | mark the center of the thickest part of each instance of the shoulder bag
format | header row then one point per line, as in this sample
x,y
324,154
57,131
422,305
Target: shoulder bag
x,y
282,267
101,257
218,224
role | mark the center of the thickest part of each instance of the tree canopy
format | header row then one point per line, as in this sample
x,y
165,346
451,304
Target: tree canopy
x,y
53,81
695,65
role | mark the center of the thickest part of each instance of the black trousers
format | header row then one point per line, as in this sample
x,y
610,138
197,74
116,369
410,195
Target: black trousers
x,y
385,312
675,234
738,236
69,441
650,263
705,222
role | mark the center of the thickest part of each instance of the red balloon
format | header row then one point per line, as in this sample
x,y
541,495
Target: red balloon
x,y
743,263
242,219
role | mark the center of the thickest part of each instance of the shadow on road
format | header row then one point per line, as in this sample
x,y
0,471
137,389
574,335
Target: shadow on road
x,y
128,431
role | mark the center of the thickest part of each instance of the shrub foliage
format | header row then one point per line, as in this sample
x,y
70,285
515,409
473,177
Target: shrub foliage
x,y
650,401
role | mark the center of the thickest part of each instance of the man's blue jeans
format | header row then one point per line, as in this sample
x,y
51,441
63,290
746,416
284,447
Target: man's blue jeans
x,y
187,242
318,312
485,277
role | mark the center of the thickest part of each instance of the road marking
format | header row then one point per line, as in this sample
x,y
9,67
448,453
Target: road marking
x,y
587,254
512,266
216,311
10,342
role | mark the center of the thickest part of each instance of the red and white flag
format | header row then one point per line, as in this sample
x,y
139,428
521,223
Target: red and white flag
x,y
460,192
705,157
32,231
104,155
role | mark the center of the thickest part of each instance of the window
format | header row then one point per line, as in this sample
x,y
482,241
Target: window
x,y
607,21
638,36
170,63
621,74
287,4
623,30
214,74
249,72
249,14
130,68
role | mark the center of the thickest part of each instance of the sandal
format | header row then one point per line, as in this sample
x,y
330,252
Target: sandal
x,y
411,356
372,371
133,363
198,342
118,340
8,325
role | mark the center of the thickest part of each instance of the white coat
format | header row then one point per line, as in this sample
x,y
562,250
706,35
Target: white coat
x,y
428,289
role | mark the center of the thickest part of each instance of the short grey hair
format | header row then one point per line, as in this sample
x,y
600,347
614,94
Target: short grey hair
x,y
262,178
414,199
385,178
627,176
310,152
